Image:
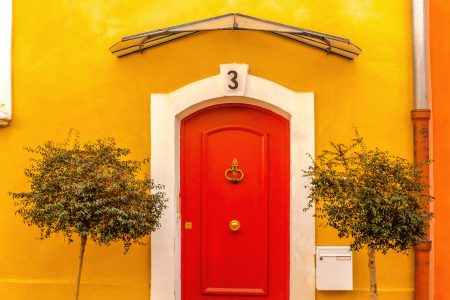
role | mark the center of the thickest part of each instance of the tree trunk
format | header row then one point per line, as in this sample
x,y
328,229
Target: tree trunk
x,y
373,275
80,266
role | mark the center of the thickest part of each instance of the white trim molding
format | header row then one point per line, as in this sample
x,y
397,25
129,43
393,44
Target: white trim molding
x,y
5,61
167,110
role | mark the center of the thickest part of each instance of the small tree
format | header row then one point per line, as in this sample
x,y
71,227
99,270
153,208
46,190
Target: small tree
x,y
91,191
370,196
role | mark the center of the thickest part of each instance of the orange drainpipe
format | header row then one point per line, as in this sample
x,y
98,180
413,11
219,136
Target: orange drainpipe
x,y
421,118
421,121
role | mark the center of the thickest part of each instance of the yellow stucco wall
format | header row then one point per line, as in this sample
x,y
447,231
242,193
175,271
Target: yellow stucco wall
x,y
64,77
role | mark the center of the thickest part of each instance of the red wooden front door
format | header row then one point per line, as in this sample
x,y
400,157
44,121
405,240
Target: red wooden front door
x,y
235,234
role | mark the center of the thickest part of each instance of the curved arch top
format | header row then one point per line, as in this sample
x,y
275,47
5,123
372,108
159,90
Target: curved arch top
x,y
208,90
167,110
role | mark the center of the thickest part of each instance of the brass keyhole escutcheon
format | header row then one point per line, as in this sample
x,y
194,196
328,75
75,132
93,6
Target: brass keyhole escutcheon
x,y
235,225
234,170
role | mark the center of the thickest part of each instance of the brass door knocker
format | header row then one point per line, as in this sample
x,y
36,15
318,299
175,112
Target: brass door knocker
x,y
234,170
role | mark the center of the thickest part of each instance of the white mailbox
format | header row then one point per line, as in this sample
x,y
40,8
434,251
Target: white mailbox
x,y
334,268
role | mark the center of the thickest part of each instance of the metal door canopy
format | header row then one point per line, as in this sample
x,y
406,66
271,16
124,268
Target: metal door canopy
x,y
234,21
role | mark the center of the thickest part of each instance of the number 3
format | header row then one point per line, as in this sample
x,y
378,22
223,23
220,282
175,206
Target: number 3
x,y
233,80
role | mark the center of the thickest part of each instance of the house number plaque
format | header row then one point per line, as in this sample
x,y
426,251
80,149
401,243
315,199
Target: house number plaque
x,y
233,79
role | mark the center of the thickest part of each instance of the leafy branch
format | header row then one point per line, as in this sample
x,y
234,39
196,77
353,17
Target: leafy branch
x,y
370,196
90,191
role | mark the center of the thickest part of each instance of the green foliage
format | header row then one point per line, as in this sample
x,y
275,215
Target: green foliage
x,y
369,195
90,190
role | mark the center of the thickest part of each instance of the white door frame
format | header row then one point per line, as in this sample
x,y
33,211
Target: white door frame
x,y
166,112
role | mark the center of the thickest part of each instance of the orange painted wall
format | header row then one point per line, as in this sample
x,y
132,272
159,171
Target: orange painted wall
x,y
440,79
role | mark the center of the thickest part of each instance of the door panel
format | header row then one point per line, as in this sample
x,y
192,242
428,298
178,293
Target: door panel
x,y
217,261
232,252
